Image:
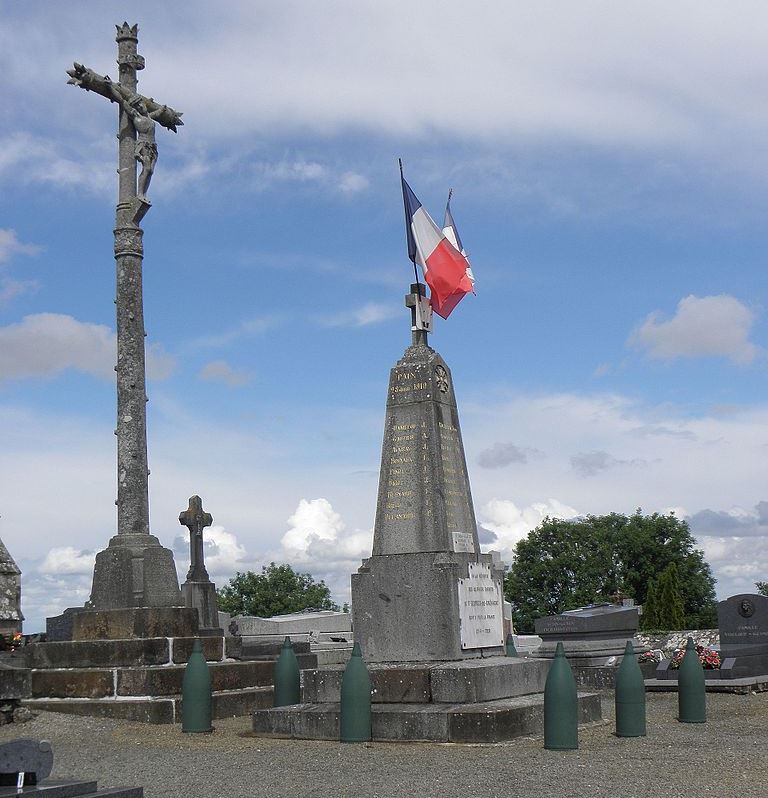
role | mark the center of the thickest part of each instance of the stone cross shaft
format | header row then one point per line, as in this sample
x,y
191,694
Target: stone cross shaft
x,y
196,520
136,134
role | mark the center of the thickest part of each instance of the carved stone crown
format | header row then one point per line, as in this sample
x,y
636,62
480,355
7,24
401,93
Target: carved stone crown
x,y
126,31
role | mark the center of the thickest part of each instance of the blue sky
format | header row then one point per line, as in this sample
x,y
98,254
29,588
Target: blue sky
x,y
609,170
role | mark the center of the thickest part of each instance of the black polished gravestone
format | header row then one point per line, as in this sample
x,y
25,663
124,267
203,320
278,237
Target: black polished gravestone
x,y
426,593
592,636
743,622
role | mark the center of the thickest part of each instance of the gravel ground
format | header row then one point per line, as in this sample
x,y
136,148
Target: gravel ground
x,y
725,757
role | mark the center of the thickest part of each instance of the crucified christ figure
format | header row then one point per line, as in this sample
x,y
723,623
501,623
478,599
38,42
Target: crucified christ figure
x,y
144,123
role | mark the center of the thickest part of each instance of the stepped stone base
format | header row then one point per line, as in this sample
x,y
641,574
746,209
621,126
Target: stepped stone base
x,y
468,701
751,684
481,722
142,679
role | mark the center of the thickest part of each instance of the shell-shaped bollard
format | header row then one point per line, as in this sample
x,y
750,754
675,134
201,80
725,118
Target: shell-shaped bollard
x,y
630,696
691,690
196,696
355,715
509,646
561,705
286,677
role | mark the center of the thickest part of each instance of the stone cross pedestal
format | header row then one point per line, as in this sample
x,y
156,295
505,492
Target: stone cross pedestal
x,y
10,594
426,593
198,591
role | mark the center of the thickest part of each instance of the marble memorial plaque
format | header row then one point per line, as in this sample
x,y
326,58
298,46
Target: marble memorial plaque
x,y
481,609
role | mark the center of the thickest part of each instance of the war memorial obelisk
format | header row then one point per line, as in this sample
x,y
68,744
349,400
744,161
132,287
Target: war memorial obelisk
x,y
427,593
134,570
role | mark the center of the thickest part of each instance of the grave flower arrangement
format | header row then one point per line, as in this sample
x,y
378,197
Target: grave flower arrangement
x,y
708,657
10,642
649,656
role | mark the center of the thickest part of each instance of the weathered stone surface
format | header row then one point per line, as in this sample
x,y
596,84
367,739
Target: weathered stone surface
x,y
158,710
389,684
134,622
73,683
10,594
250,648
238,703
14,682
69,788
58,628
513,717
202,597
213,648
410,722
490,721
33,757
294,623
167,680
98,653
406,607
487,679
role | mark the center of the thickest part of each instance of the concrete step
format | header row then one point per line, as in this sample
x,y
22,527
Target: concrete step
x,y
480,722
157,680
157,710
120,653
460,682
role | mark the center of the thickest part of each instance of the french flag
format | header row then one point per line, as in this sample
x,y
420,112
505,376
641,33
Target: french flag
x,y
446,269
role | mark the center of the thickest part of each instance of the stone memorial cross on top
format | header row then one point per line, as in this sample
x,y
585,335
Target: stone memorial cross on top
x,y
198,591
135,570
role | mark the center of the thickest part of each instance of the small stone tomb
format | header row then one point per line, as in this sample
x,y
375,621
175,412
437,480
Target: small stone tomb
x,y
328,633
593,636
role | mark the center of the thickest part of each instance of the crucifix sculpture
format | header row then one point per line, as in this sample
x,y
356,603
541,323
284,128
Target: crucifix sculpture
x,y
135,570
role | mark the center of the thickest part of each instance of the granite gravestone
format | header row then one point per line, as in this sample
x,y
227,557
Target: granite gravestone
x,y
198,591
743,622
135,570
10,594
592,636
426,593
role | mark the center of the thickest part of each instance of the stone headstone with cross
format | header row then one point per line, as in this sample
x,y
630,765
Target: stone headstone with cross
x,y
198,591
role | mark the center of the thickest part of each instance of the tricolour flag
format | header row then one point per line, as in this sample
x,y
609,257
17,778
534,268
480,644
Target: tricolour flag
x,y
446,269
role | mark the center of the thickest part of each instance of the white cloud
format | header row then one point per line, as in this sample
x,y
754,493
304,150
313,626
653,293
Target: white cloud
x,y
45,344
68,560
223,554
707,326
221,371
11,246
353,183
511,523
314,519
369,313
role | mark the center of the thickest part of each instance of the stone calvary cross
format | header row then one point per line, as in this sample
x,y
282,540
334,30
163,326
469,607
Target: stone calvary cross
x,y
195,519
198,591
135,570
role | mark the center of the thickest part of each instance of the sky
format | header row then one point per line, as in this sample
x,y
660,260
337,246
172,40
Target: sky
x,y
609,164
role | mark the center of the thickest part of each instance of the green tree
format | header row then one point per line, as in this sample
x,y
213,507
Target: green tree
x,y
562,565
277,590
671,613
649,620
762,588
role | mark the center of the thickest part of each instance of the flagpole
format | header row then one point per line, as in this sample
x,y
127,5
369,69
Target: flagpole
x,y
407,222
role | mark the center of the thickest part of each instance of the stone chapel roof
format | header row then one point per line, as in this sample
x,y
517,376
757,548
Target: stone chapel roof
x,y
7,563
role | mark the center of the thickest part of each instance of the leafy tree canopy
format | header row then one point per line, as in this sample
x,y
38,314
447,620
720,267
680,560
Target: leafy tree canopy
x,y
562,565
277,590
762,588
